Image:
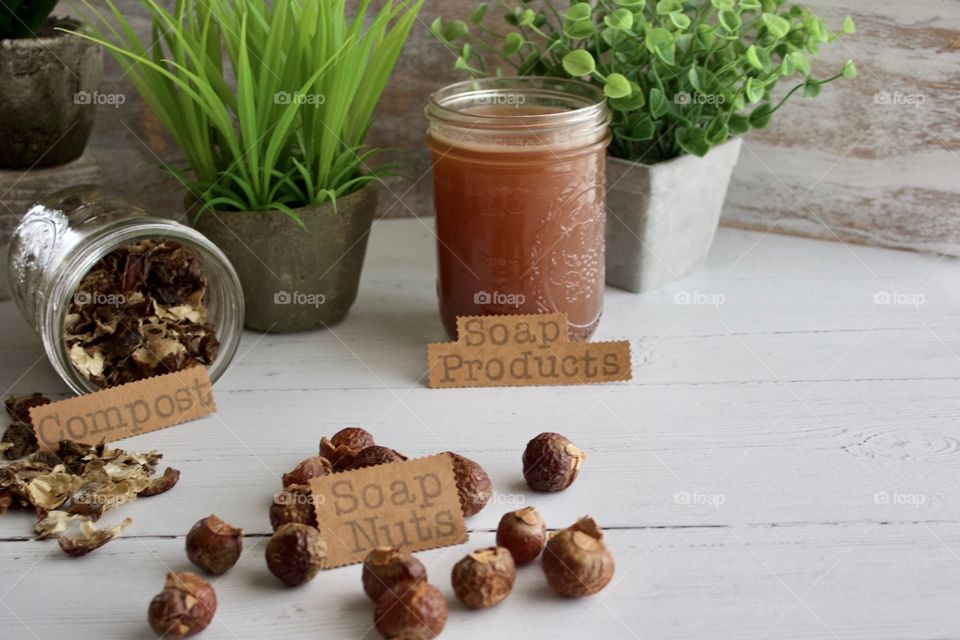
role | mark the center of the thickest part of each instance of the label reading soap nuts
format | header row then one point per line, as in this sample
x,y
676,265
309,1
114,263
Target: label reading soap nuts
x,y
413,505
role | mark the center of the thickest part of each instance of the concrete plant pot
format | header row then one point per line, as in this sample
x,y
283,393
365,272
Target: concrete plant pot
x,y
662,218
47,110
295,279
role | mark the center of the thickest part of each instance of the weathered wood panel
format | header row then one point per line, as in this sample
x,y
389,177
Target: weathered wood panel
x,y
875,160
841,167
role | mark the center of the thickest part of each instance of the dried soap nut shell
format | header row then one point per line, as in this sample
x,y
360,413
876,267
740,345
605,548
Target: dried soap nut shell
x,y
376,455
184,608
164,483
293,504
576,561
19,406
213,545
473,484
417,612
296,553
551,462
344,445
523,533
314,467
387,568
484,578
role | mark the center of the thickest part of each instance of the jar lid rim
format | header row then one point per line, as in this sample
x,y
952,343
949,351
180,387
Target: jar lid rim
x,y
586,102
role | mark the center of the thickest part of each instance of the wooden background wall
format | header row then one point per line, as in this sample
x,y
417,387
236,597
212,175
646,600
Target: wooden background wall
x,y
844,166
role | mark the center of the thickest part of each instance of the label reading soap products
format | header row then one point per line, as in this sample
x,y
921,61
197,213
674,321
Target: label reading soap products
x,y
414,505
126,410
500,351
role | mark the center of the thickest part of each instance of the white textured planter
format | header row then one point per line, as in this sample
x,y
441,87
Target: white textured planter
x,y
661,218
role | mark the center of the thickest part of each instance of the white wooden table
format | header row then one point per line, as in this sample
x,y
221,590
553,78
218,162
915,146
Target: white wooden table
x,y
785,463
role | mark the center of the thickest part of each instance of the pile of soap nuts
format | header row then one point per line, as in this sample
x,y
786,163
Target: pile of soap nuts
x,y
576,562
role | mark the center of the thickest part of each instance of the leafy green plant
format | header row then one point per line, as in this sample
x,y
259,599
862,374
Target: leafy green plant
x,y
681,76
22,18
279,121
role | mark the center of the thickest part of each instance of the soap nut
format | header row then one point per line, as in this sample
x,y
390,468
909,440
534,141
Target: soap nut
x,y
344,446
473,484
576,561
314,467
184,608
523,533
376,455
484,578
296,553
387,568
417,612
551,462
293,504
213,545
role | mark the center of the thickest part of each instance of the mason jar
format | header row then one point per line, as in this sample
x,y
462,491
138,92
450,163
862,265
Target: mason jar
x,y
519,194
60,239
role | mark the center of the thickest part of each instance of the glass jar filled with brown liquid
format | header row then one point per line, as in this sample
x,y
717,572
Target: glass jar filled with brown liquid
x,y
518,177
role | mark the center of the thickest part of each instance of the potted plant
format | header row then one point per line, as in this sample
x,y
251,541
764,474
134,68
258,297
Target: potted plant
x,y
684,80
271,103
48,81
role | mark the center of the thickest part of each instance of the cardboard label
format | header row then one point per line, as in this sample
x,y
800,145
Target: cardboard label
x,y
505,351
127,410
414,505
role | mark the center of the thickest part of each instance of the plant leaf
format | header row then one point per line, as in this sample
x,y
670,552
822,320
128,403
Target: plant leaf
x,y
579,62
776,25
617,86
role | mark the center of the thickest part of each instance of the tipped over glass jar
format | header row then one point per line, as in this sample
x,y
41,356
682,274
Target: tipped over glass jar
x,y
117,295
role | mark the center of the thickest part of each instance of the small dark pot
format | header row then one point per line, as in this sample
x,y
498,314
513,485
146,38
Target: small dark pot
x,y
295,279
48,99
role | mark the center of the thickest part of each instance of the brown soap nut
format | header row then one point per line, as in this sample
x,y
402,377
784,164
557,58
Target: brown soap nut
x,y
576,560
484,578
376,455
213,545
523,533
417,612
344,446
551,462
184,608
473,484
314,467
387,568
293,504
296,553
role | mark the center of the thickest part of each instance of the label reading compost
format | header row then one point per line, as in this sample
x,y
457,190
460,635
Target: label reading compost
x,y
126,410
414,505
518,350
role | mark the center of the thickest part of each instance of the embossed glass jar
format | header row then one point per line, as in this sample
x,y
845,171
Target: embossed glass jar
x,y
60,239
518,177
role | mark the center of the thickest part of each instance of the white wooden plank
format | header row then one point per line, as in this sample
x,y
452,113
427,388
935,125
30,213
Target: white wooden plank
x,y
787,307
856,581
